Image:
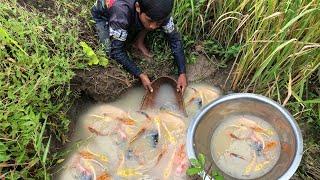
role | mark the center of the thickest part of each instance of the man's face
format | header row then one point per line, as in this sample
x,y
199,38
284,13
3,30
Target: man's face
x,y
147,22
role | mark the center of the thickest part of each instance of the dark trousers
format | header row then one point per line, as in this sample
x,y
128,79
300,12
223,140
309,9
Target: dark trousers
x,y
100,16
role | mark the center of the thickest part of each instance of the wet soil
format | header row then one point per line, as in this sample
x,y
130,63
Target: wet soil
x,y
106,84
102,84
44,6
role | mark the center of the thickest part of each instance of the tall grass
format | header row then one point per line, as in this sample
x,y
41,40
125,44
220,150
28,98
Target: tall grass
x,y
194,17
280,42
279,55
281,49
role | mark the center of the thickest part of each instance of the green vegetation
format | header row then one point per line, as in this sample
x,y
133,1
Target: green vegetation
x,y
198,167
274,47
279,52
93,58
37,56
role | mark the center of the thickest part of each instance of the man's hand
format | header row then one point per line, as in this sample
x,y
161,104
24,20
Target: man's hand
x,y
182,83
146,82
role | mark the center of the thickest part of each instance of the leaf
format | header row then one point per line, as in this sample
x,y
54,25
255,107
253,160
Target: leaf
x,y
269,60
90,53
217,176
193,171
45,154
103,62
21,157
60,161
93,60
292,21
4,36
29,123
33,162
202,159
195,162
39,138
4,157
3,147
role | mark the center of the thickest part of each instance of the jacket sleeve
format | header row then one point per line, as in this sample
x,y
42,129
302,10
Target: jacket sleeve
x,y
175,44
118,29
118,53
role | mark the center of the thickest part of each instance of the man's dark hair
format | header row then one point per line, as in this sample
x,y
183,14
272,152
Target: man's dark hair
x,y
156,9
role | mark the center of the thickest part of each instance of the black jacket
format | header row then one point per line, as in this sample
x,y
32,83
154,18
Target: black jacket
x,y
123,19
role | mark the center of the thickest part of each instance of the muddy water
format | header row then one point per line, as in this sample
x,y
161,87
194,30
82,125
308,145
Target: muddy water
x,y
166,98
121,142
245,147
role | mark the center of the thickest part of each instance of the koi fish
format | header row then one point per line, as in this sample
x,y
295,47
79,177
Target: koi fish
x,y
181,160
237,156
104,176
261,165
266,132
157,121
169,136
162,152
258,138
234,136
96,132
194,98
180,154
127,172
139,133
270,145
122,133
126,121
249,168
168,170
98,155
145,114
84,174
86,155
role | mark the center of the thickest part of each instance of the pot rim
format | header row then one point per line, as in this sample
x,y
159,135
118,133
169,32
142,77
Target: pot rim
x,y
294,125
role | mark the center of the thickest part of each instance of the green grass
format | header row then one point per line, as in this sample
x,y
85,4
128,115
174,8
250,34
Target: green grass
x,y
275,46
37,56
280,51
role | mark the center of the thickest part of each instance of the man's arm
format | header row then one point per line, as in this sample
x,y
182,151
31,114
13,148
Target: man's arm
x,y
177,51
176,45
118,53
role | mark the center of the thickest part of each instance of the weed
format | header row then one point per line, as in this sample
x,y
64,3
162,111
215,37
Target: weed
x,y
198,168
93,58
37,56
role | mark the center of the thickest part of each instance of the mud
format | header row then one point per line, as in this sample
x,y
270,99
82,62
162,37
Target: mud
x,y
106,84
102,84
45,6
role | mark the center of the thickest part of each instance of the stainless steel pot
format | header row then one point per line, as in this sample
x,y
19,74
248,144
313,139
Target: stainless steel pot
x,y
206,121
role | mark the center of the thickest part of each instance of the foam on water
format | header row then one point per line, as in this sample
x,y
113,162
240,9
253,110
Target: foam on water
x,y
245,146
119,141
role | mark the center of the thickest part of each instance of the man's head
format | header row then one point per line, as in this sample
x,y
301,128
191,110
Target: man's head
x,y
152,13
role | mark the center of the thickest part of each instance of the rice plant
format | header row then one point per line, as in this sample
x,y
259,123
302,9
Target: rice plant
x,y
279,41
